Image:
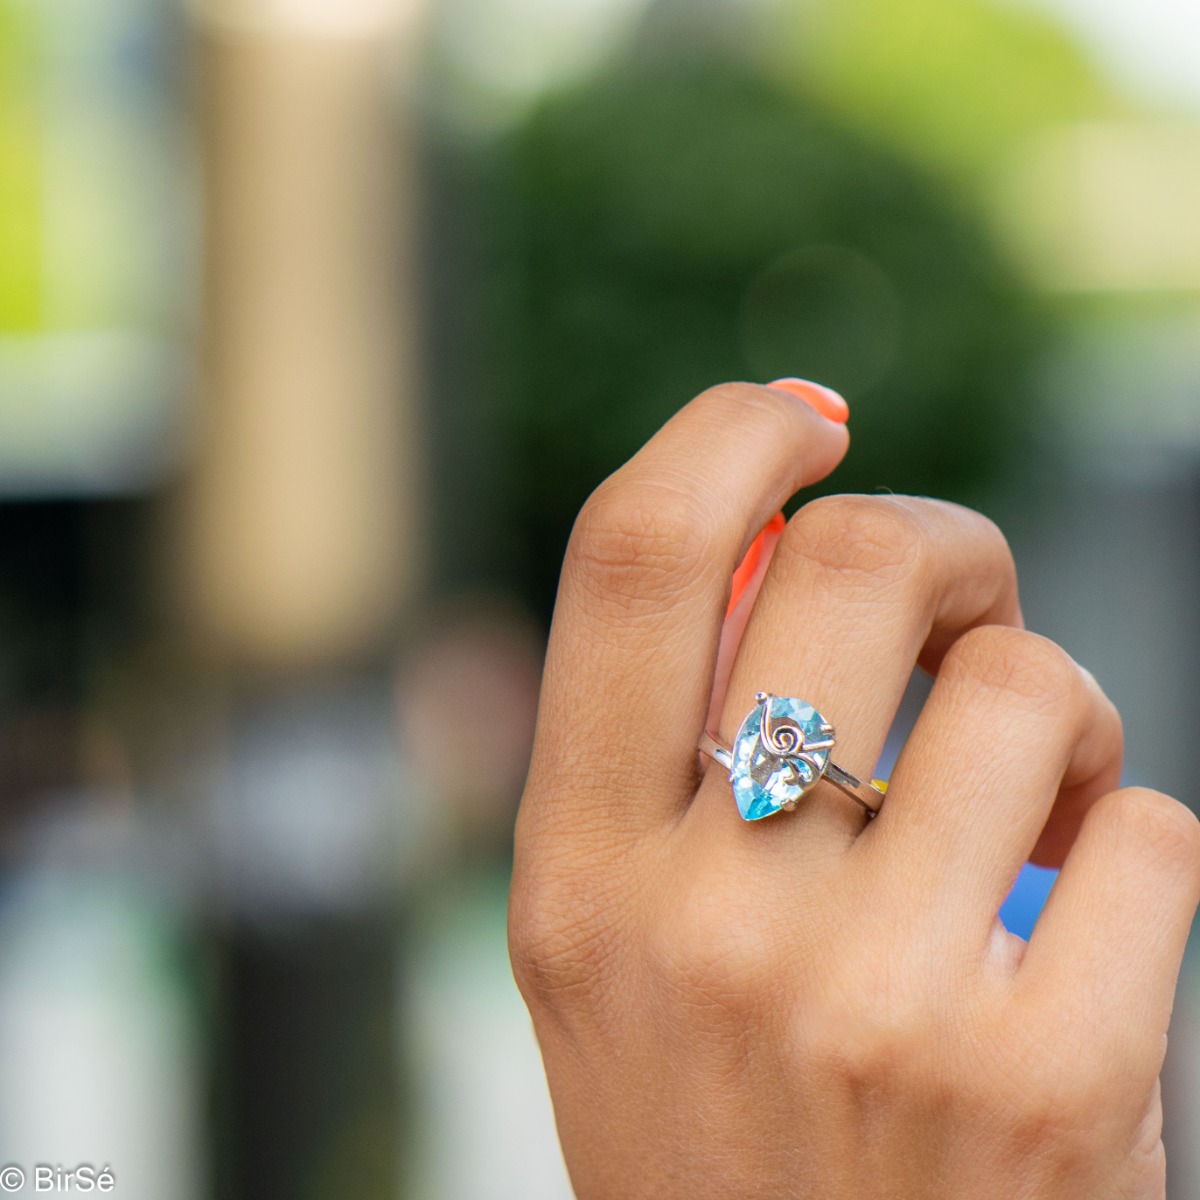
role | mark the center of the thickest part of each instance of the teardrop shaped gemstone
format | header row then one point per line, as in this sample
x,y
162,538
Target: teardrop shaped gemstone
x,y
764,779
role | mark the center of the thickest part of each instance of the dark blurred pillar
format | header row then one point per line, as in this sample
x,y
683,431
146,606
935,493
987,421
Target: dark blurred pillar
x,y
308,1083
42,571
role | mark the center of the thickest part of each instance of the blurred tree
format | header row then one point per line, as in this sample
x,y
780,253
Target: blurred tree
x,y
21,232
679,220
954,84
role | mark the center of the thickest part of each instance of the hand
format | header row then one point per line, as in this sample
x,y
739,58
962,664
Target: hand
x,y
814,1005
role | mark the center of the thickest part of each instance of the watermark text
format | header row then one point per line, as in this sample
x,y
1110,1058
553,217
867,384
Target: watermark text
x,y
53,1177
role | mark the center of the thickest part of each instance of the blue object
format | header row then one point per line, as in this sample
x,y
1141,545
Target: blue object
x,y
1019,913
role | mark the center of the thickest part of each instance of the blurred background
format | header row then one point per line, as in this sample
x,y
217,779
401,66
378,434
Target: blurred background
x,y
318,321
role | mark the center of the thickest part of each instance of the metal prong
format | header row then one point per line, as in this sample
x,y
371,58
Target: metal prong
x,y
761,696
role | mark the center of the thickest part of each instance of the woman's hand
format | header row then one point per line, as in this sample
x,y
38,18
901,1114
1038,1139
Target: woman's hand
x,y
811,1005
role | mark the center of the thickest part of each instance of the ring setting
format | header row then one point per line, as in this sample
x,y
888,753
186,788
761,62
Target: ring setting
x,y
782,751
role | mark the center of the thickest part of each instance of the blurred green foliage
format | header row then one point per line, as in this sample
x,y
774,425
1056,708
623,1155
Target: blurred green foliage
x,y
21,184
683,219
957,85
93,172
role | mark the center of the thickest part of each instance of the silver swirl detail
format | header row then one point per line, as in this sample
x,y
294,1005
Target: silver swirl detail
x,y
785,740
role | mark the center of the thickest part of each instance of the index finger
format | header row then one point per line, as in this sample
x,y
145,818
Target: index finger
x,y
643,593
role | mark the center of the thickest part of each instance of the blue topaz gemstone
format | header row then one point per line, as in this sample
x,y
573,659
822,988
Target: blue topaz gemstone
x,y
781,750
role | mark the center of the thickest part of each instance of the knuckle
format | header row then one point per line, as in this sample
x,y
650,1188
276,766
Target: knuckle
x,y
636,540
1160,823
1014,661
1150,1156
1147,1138
872,1053
556,946
1062,1103
878,1017
713,962
1056,1086
892,1055
863,540
1060,1081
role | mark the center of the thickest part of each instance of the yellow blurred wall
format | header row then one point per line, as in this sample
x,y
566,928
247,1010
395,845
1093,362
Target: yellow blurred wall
x,y
300,525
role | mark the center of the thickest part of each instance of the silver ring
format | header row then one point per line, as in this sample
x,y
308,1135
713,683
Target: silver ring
x,y
780,752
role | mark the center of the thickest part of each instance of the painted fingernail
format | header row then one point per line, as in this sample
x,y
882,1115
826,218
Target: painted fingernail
x,y
816,395
749,564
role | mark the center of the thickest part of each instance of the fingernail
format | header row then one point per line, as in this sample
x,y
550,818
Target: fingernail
x,y
749,564
816,395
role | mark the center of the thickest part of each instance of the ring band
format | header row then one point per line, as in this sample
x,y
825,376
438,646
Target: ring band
x,y
781,751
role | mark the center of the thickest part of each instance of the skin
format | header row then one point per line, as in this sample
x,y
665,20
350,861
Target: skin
x,y
814,1005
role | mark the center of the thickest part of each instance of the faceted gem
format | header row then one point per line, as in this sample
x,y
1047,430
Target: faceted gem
x,y
776,766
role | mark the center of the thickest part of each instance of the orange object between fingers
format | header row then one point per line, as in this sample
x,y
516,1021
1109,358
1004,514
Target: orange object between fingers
x,y
831,406
749,564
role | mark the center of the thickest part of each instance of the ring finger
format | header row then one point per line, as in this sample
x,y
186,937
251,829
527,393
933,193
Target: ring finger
x,y
859,590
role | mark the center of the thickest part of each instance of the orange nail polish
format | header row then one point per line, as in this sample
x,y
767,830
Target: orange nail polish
x,y
749,564
816,395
